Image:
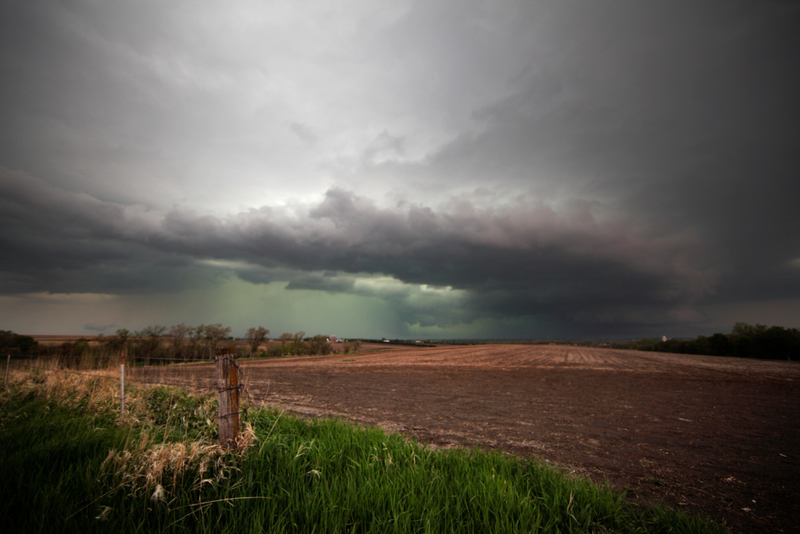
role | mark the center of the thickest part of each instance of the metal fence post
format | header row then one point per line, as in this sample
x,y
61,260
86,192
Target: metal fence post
x,y
122,383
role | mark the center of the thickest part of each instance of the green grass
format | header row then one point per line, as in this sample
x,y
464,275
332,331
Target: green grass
x,y
70,464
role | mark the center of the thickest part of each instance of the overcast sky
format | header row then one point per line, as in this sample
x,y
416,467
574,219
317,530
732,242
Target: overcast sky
x,y
413,169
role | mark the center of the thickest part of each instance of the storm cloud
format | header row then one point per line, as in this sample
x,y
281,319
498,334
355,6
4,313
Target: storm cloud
x,y
517,259
471,169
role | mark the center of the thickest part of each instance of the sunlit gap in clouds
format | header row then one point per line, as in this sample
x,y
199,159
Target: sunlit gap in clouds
x,y
363,284
233,265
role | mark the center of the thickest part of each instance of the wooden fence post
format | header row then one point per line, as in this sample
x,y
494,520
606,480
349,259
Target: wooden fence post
x,y
228,386
122,383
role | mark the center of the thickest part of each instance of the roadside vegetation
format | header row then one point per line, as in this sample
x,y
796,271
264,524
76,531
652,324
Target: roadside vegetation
x,y
72,464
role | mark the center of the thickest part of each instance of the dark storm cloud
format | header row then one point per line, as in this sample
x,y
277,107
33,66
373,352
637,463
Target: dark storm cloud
x,y
514,260
63,242
605,164
684,118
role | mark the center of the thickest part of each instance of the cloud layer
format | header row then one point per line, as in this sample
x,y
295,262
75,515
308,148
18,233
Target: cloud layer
x,y
605,170
508,260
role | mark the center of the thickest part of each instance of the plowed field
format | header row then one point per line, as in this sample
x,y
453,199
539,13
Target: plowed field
x,y
720,436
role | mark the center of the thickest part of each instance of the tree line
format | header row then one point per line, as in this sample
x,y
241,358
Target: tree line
x,y
161,344
744,341
16,344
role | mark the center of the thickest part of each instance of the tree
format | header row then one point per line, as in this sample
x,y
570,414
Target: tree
x,y
211,335
284,339
149,341
195,334
16,343
298,342
118,342
255,337
748,330
720,345
744,338
319,345
178,333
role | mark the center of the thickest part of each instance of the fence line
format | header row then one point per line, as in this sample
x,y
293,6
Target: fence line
x,y
145,381
228,386
205,357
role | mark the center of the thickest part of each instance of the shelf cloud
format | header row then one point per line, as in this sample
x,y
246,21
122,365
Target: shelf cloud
x,y
513,169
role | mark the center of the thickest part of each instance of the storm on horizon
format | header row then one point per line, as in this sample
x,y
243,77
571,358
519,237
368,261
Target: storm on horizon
x,y
419,169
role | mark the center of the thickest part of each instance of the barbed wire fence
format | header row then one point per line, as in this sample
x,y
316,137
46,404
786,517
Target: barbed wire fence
x,y
229,384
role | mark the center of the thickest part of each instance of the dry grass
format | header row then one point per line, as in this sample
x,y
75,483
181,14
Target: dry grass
x,y
93,389
146,464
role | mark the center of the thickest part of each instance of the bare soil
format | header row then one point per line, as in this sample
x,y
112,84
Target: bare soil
x,y
715,436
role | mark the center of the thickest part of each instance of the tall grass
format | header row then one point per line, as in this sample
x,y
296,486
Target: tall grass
x,y
72,465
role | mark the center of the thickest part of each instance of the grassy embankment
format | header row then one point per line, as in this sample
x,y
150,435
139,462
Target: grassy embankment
x,y
71,464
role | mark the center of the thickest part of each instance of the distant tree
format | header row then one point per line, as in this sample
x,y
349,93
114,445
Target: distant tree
x,y
148,340
748,330
178,333
319,345
255,337
720,345
284,339
195,334
136,347
17,344
212,334
118,342
298,342
744,341
71,354
780,343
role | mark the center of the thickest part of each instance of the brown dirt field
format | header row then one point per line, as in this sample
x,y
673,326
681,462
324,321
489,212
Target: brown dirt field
x,y
710,435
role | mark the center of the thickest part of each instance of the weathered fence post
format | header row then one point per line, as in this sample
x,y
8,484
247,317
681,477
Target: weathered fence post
x,y
228,386
122,383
